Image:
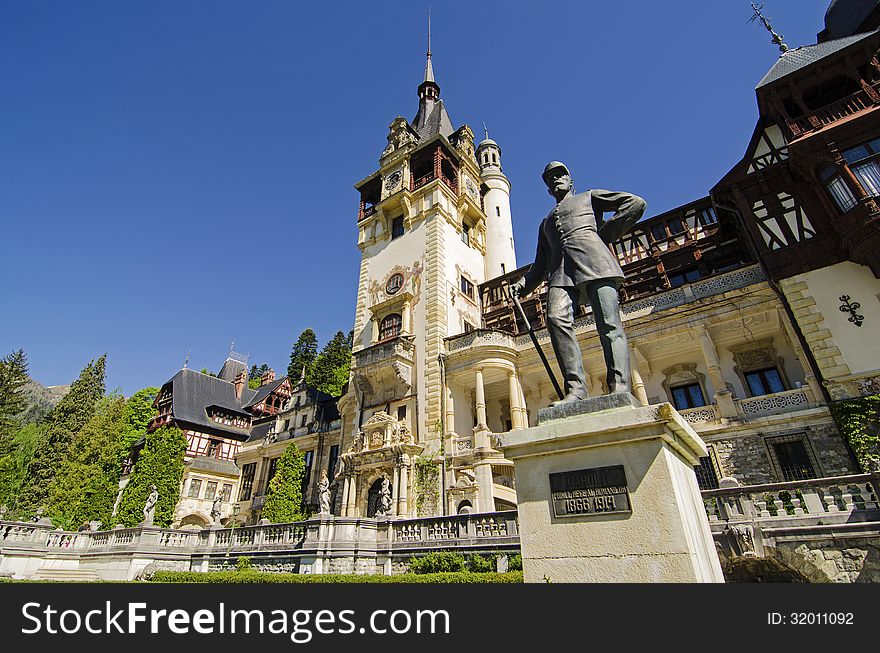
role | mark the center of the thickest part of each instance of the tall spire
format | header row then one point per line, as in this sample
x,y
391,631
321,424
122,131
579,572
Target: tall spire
x,y
429,69
777,38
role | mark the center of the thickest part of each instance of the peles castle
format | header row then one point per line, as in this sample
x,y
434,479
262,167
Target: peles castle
x,y
750,310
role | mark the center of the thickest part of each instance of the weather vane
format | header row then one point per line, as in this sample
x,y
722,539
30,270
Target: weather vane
x,y
777,38
186,361
486,129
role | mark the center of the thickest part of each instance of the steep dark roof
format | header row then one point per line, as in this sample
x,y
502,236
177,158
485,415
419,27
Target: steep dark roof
x,y
231,368
194,392
259,431
206,464
431,120
806,55
845,17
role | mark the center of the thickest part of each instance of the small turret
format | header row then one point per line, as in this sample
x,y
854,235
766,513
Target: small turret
x,y
500,253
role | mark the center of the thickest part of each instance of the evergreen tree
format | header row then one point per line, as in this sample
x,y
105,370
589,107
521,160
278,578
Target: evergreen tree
x,y
329,373
139,410
256,374
13,376
67,418
87,483
284,500
303,355
14,464
161,464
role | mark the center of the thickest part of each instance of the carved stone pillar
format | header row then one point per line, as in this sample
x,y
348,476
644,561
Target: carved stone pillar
x,y
723,396
395,488
374,323
638,383
346,482
515,393
404,487
450,413
480,401
406,319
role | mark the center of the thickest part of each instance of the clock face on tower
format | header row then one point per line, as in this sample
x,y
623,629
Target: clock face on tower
x,y
392,180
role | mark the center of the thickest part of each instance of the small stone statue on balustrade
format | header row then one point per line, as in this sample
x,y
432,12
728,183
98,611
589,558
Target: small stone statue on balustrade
x,y
215,510
324,493
150,507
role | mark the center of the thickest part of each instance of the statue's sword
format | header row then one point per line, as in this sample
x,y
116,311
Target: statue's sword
x,y
534,338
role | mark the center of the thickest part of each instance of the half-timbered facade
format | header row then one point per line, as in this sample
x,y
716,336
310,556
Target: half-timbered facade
x,y
217,414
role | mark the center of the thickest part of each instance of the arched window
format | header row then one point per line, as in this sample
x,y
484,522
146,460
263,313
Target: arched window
x,y
390,326
837,188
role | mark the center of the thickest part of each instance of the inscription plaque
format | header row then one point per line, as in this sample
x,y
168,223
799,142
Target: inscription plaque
x,y
598,490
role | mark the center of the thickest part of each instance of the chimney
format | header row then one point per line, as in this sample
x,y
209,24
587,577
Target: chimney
x,y
267,377
240,381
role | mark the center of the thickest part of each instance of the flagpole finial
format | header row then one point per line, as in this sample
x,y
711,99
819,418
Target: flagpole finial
x,y
777,38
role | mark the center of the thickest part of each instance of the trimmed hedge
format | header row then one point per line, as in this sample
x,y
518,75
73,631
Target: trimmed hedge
x,y
267,577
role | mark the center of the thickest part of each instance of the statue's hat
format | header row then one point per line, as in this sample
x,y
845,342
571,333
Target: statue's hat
x,y
553,165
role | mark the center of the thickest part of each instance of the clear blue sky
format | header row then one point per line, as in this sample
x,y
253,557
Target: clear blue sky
x,y
175,175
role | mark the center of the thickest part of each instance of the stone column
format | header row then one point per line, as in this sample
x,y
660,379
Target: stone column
x,y
813,386
450,413
404,487
395,488
346,482
375,335
406,319
723,396
638,384
480,401
515,392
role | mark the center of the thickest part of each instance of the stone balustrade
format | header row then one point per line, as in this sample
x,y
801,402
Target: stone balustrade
x,y
788,521
839,499
780,402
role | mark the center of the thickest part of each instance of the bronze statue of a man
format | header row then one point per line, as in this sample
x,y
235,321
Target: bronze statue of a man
x,y
573,256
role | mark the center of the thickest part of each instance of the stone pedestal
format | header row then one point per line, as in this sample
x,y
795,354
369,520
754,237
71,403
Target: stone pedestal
x,y
650,527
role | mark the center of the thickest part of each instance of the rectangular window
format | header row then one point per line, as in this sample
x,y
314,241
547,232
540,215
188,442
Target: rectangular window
x,y
468,327
465,234
498,211
396,228
868,174
764,382
467,288
195,486
309,456
247,481
791,458
676,226
303,421
707,479
658,232
211,490
708,217
331,463
226,493
401,412
273,466
687,396
682,277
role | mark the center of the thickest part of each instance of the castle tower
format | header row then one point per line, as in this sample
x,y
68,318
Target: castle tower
x,y
500,254
423,242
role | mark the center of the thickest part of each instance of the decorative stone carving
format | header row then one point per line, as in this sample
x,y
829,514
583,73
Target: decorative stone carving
x,y
215,510
744,539
399,135
149,510
463,140
384,506
324,493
